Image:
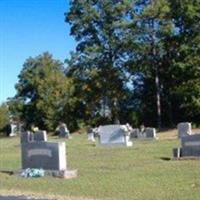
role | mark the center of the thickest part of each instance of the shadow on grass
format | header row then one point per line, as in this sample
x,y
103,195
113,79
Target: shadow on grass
x,y
6,172
165,158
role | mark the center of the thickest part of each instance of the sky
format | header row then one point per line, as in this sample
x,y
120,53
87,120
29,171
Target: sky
x,y
29,28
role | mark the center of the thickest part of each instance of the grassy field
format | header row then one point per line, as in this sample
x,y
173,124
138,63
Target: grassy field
x,y
144,171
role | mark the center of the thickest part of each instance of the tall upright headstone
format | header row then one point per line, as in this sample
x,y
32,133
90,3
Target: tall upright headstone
x,y
13,129
184,129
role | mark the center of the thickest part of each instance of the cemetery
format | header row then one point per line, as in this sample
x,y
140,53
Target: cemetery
x,y
145,166
109,110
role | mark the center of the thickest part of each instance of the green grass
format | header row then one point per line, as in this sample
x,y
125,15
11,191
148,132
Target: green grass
x,y
143,171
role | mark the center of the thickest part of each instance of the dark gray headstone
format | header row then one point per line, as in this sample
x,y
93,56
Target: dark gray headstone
x,y
63,131
40,136
150,132
191,151
191,141
190,146
45,155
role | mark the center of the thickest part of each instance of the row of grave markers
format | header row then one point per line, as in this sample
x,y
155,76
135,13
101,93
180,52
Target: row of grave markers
x,y
38,152
119,134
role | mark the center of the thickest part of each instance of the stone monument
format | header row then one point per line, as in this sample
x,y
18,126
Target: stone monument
x,y
36,152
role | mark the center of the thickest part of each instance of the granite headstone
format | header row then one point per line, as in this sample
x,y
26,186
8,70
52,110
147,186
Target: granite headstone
x,y
45,155
190,147
184,129
150,132
112,135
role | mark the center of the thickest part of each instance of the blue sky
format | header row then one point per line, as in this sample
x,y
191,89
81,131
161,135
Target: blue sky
x,y
28,28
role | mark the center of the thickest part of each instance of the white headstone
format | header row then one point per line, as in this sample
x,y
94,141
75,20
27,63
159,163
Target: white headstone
x,y
113,135
91,137
13,130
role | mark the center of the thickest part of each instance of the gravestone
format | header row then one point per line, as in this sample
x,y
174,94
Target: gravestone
x,y
45,155
90,135
63,130
113,135
190,147
150,132
146,133
40,136
36,152
184,129
13,129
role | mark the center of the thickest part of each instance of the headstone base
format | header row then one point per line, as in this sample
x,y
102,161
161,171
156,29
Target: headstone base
x,y
66,174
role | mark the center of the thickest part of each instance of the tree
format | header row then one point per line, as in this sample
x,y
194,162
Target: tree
x,y
42,92
185,62
4,116
153,25
98,62
144,51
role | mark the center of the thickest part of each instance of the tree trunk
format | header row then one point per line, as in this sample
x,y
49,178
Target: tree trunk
x,y
155,66
157,82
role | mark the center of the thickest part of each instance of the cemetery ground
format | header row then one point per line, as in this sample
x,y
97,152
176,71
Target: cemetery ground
x,y
144,171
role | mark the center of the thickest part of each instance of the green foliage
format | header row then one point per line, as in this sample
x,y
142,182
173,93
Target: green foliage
x,y
97,64
4,116
43,92
184,54
144,51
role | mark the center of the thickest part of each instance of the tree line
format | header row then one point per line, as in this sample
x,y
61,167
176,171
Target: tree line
x,y
136,61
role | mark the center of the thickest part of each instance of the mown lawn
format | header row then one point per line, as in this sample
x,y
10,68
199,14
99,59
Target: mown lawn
x,y
144,171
